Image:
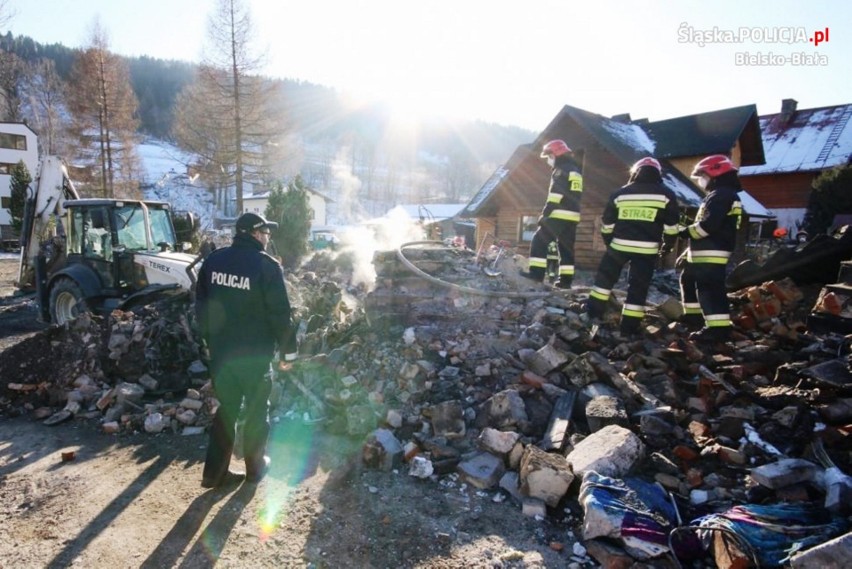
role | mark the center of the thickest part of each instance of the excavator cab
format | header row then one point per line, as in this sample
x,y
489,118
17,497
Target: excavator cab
x,y
114,248
96,254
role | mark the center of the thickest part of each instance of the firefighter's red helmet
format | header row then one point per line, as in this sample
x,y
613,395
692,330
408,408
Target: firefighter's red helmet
x,y
555,148
713,166
647,161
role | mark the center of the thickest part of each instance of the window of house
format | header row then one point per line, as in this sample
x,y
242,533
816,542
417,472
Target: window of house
x,y
13,141
528,225
6,168
5,202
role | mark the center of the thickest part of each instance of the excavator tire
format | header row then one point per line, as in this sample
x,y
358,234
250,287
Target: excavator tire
x,y
66,301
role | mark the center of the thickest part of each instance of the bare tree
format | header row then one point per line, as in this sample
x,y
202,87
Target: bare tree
x,y
227,116
44,106
103,108
11,71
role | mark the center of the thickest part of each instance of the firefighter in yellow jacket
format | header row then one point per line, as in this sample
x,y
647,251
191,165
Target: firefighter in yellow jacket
x,y
560,215
638,222
712,239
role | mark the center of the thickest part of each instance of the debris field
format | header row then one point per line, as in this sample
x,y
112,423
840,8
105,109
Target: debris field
x,y
652,449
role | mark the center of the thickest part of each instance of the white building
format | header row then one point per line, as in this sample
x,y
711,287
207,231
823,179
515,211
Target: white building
x,y
318,203
17,142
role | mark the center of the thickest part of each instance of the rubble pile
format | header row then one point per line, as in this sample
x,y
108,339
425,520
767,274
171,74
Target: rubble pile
x,y
527,398
644,446
144,369
107,368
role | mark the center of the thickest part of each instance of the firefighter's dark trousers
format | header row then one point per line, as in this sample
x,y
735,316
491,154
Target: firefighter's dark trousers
x,y
237,382
564,233
702,291
638,281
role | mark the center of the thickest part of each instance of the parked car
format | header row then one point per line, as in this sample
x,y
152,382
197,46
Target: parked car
x,y
323,240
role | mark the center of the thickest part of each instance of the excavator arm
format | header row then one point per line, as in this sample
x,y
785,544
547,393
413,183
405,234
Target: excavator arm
x,y
51,188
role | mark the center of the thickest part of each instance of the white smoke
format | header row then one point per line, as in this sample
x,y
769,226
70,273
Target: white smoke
x,y
385,233
349,186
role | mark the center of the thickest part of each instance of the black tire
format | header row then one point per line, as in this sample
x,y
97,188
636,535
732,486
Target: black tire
x,y
66,301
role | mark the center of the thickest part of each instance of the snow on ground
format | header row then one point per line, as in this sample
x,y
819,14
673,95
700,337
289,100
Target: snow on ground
x,y
165,179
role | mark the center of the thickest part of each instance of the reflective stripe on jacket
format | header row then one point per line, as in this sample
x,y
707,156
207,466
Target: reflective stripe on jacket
x,y
638,216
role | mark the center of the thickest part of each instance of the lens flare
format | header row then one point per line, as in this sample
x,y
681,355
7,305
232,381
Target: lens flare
x,y
291,449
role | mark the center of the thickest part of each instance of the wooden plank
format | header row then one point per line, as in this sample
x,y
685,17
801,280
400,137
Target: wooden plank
x,y
560,421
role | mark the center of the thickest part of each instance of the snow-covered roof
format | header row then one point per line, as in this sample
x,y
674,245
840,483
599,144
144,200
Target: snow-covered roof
x,y
257,196
265,195
487,189
684,192
432,212
752,207
632,135
811,140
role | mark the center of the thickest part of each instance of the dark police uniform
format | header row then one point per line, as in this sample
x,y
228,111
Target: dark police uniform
x,y
558,221
712,239
636,219
243,311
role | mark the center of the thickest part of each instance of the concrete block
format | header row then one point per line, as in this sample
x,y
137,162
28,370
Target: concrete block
x,y
544,475
603,411
483,470
612,451
506,410
510,482
499,443
448,420
785,472
382,451
580,371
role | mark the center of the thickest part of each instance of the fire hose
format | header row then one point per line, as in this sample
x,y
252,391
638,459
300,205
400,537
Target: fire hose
x,y
470,290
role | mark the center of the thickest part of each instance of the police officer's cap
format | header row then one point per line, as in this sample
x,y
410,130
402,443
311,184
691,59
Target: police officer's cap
x,y
249,222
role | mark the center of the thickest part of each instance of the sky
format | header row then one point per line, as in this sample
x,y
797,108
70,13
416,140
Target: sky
x,y
510,62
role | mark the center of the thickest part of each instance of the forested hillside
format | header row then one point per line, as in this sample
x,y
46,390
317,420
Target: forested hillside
x,y
316,111
318,132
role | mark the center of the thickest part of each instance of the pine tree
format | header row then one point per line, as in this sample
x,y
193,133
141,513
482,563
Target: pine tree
x,y
831,195
20,182
290,209
103,107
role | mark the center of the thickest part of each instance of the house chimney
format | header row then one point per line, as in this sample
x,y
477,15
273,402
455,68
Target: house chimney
x,y
788,109
623,117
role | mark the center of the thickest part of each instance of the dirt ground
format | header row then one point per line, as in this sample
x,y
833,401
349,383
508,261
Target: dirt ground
x,y
135,500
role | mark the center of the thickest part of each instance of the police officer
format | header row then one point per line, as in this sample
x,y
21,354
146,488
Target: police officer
x,y
637,220
712,239
560,215
243,312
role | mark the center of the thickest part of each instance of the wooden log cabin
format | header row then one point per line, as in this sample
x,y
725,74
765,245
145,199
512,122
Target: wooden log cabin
x,y
507,206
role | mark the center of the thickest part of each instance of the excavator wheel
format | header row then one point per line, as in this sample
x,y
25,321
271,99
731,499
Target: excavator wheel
x,y
66,301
